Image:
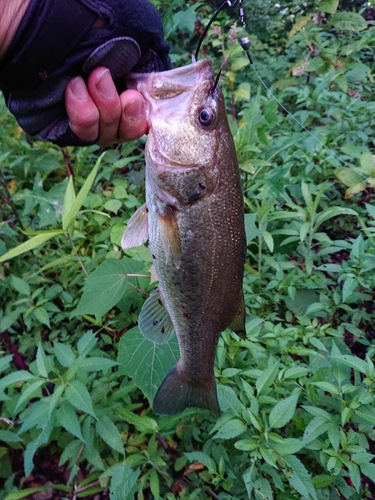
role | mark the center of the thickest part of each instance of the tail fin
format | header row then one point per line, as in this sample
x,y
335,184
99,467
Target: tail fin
x,y
177,393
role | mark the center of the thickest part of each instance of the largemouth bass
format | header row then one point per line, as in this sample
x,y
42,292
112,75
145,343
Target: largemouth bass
x,y
194,220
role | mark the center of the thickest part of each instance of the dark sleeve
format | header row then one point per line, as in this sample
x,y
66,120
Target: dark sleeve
x,y
59,39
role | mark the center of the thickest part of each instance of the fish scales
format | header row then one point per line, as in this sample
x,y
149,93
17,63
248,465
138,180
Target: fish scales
x,y
195,221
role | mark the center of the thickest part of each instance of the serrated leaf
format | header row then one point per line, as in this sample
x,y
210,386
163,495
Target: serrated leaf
x,y
228,398
20,285
27,393
86,343
96,363
9,436
267,377
143,424
314,429
230,429
108,431
300,479
42,362
289,446
64,354
283,412
12,378
5,362
327,387
67,418
124,482
78,396
145,362
200,456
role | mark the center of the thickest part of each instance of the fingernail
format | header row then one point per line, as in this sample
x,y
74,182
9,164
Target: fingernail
x,y
105,85
78,88
134,110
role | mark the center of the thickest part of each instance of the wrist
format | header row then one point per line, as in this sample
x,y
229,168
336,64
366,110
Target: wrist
x,y
11,14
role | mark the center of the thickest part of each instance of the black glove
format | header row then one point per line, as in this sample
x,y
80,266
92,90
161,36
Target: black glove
x,y
57,40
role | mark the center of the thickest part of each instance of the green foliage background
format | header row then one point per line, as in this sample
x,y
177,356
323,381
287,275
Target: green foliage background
x,y
297,395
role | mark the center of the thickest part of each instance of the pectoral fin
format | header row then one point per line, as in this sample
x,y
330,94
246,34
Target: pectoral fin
x,y
136,232
170,235
237,324
154,321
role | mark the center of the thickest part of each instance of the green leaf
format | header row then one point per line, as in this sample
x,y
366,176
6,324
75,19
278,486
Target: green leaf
x,y
12,378
367,163
26,493
329,6
86,343
67,418
200,456
348,21
28,392
113,206
42,315
267,377
105,287
283,411
78,396
124,482
108,431
20,285
145,425
348,176
145,362
42,362
96,363
68,202
314,429
73,205
289,446
64,354
230,429
300,479
9,436
322,480
30,244
228,399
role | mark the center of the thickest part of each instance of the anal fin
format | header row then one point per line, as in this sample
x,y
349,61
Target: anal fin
x,y
154,321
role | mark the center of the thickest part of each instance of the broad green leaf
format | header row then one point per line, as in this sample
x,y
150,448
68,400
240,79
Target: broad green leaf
x,y
329,6
5,362
145,362
78,396
113,206
367,163
20,285
124,482
283,411
86,343
228,399
12,378
96,363
367,413
355,475
354,362
368,469
289,446
67,418
64,354
348,176
110,434
42,315
105,287
327,387
143,424
230,429
42,362
250,228
9,436
269,456
300,479
246,445
349,21
322,480
28,392
314,429
30,244
267,377
200,456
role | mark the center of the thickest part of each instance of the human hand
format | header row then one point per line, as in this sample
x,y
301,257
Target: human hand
x,y
98,113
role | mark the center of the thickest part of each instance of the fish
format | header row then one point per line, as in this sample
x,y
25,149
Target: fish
x,y
193,219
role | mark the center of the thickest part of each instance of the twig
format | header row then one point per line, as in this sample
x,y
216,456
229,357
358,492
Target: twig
x,y
68,163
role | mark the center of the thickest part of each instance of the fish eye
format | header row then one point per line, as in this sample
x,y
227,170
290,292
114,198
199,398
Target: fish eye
x,y
206,116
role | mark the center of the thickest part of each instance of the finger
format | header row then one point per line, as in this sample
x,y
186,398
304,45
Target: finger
x,y
82,111
104,94
133,122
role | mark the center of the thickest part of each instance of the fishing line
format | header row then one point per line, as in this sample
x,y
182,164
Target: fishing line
x,y
245,44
